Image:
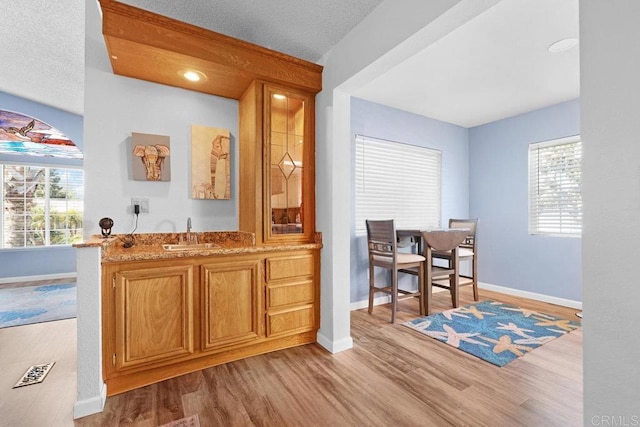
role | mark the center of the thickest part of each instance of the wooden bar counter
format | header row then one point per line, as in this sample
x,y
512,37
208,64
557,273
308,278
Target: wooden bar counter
x,y
167,312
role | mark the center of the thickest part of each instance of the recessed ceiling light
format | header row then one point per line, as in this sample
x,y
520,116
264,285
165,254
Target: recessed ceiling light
x,y
193,75
562,45
279,96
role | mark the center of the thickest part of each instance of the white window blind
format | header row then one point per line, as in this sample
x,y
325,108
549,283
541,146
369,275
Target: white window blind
x,y
555,187
41,206
397,181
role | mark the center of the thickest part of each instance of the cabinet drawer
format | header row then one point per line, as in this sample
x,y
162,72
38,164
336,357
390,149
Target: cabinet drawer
x,y
293,320
284,294
292,266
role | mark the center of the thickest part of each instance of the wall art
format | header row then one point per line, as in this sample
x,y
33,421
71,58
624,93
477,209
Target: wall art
x,y
210,163
150,157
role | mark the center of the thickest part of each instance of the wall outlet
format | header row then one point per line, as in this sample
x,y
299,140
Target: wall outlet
x,y
143,202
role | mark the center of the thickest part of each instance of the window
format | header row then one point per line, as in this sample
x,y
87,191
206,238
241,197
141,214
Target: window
x,y
41,206
397,181
555,184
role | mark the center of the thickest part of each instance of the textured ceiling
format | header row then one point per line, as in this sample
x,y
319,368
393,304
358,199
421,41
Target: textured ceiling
x,y
302,28
495,66
42,51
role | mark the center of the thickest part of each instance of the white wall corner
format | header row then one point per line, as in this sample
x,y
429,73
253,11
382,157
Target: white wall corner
x,y
334,346
90,406
91,390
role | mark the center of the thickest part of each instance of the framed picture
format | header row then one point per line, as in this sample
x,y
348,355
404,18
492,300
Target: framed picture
x,y
150,157
210,163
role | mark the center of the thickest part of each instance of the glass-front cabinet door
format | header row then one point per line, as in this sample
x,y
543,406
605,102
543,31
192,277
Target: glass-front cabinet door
x,y
289,165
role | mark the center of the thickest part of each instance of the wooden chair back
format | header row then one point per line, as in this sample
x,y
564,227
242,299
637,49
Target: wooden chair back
x,y
381,241
472,224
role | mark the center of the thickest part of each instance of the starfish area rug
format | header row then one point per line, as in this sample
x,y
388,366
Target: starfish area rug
x,y
493,331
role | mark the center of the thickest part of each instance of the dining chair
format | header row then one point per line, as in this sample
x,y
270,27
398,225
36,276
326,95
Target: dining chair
x,y
468,250
383,253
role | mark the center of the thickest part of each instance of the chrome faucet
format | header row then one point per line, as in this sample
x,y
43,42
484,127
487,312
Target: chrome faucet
x,y
188,236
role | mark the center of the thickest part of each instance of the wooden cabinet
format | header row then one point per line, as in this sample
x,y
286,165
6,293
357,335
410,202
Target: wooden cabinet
x,y
231,303
153,315
163,318
277,173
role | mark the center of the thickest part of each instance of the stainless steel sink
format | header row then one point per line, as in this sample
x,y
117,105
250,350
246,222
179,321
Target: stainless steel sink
x,y
190,246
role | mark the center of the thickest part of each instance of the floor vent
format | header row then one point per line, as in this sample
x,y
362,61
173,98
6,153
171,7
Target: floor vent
x,y
34,375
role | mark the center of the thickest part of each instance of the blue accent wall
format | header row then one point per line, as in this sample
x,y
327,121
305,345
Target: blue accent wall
x,y
37,261
52,260
498,176
379,121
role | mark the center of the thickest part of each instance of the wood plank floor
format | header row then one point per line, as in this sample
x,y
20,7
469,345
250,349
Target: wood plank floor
x,y
392,376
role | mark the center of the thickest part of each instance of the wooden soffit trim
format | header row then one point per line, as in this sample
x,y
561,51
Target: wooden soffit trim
x,y
152,47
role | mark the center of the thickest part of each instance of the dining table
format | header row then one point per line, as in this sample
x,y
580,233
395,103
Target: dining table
x,y
429,240
437,237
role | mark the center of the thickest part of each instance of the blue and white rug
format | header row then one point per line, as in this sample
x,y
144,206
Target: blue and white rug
x,y
34,304
496,332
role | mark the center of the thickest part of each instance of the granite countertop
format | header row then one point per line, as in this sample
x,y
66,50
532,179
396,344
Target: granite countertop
x,y
148,246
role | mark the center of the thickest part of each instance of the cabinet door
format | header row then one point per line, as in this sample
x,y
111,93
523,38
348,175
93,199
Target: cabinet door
x,y
289,171
230,303
154,315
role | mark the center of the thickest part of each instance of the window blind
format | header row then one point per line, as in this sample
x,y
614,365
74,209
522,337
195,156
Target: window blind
x,y
397,181
555,187
42,206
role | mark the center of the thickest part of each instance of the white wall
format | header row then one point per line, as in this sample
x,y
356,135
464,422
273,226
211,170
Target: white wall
x,y
610,109
117,106
91,389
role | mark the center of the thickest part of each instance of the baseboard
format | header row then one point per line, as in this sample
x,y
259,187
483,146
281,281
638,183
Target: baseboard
x,y
91,406
531,295
36,278
386,299
334,346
